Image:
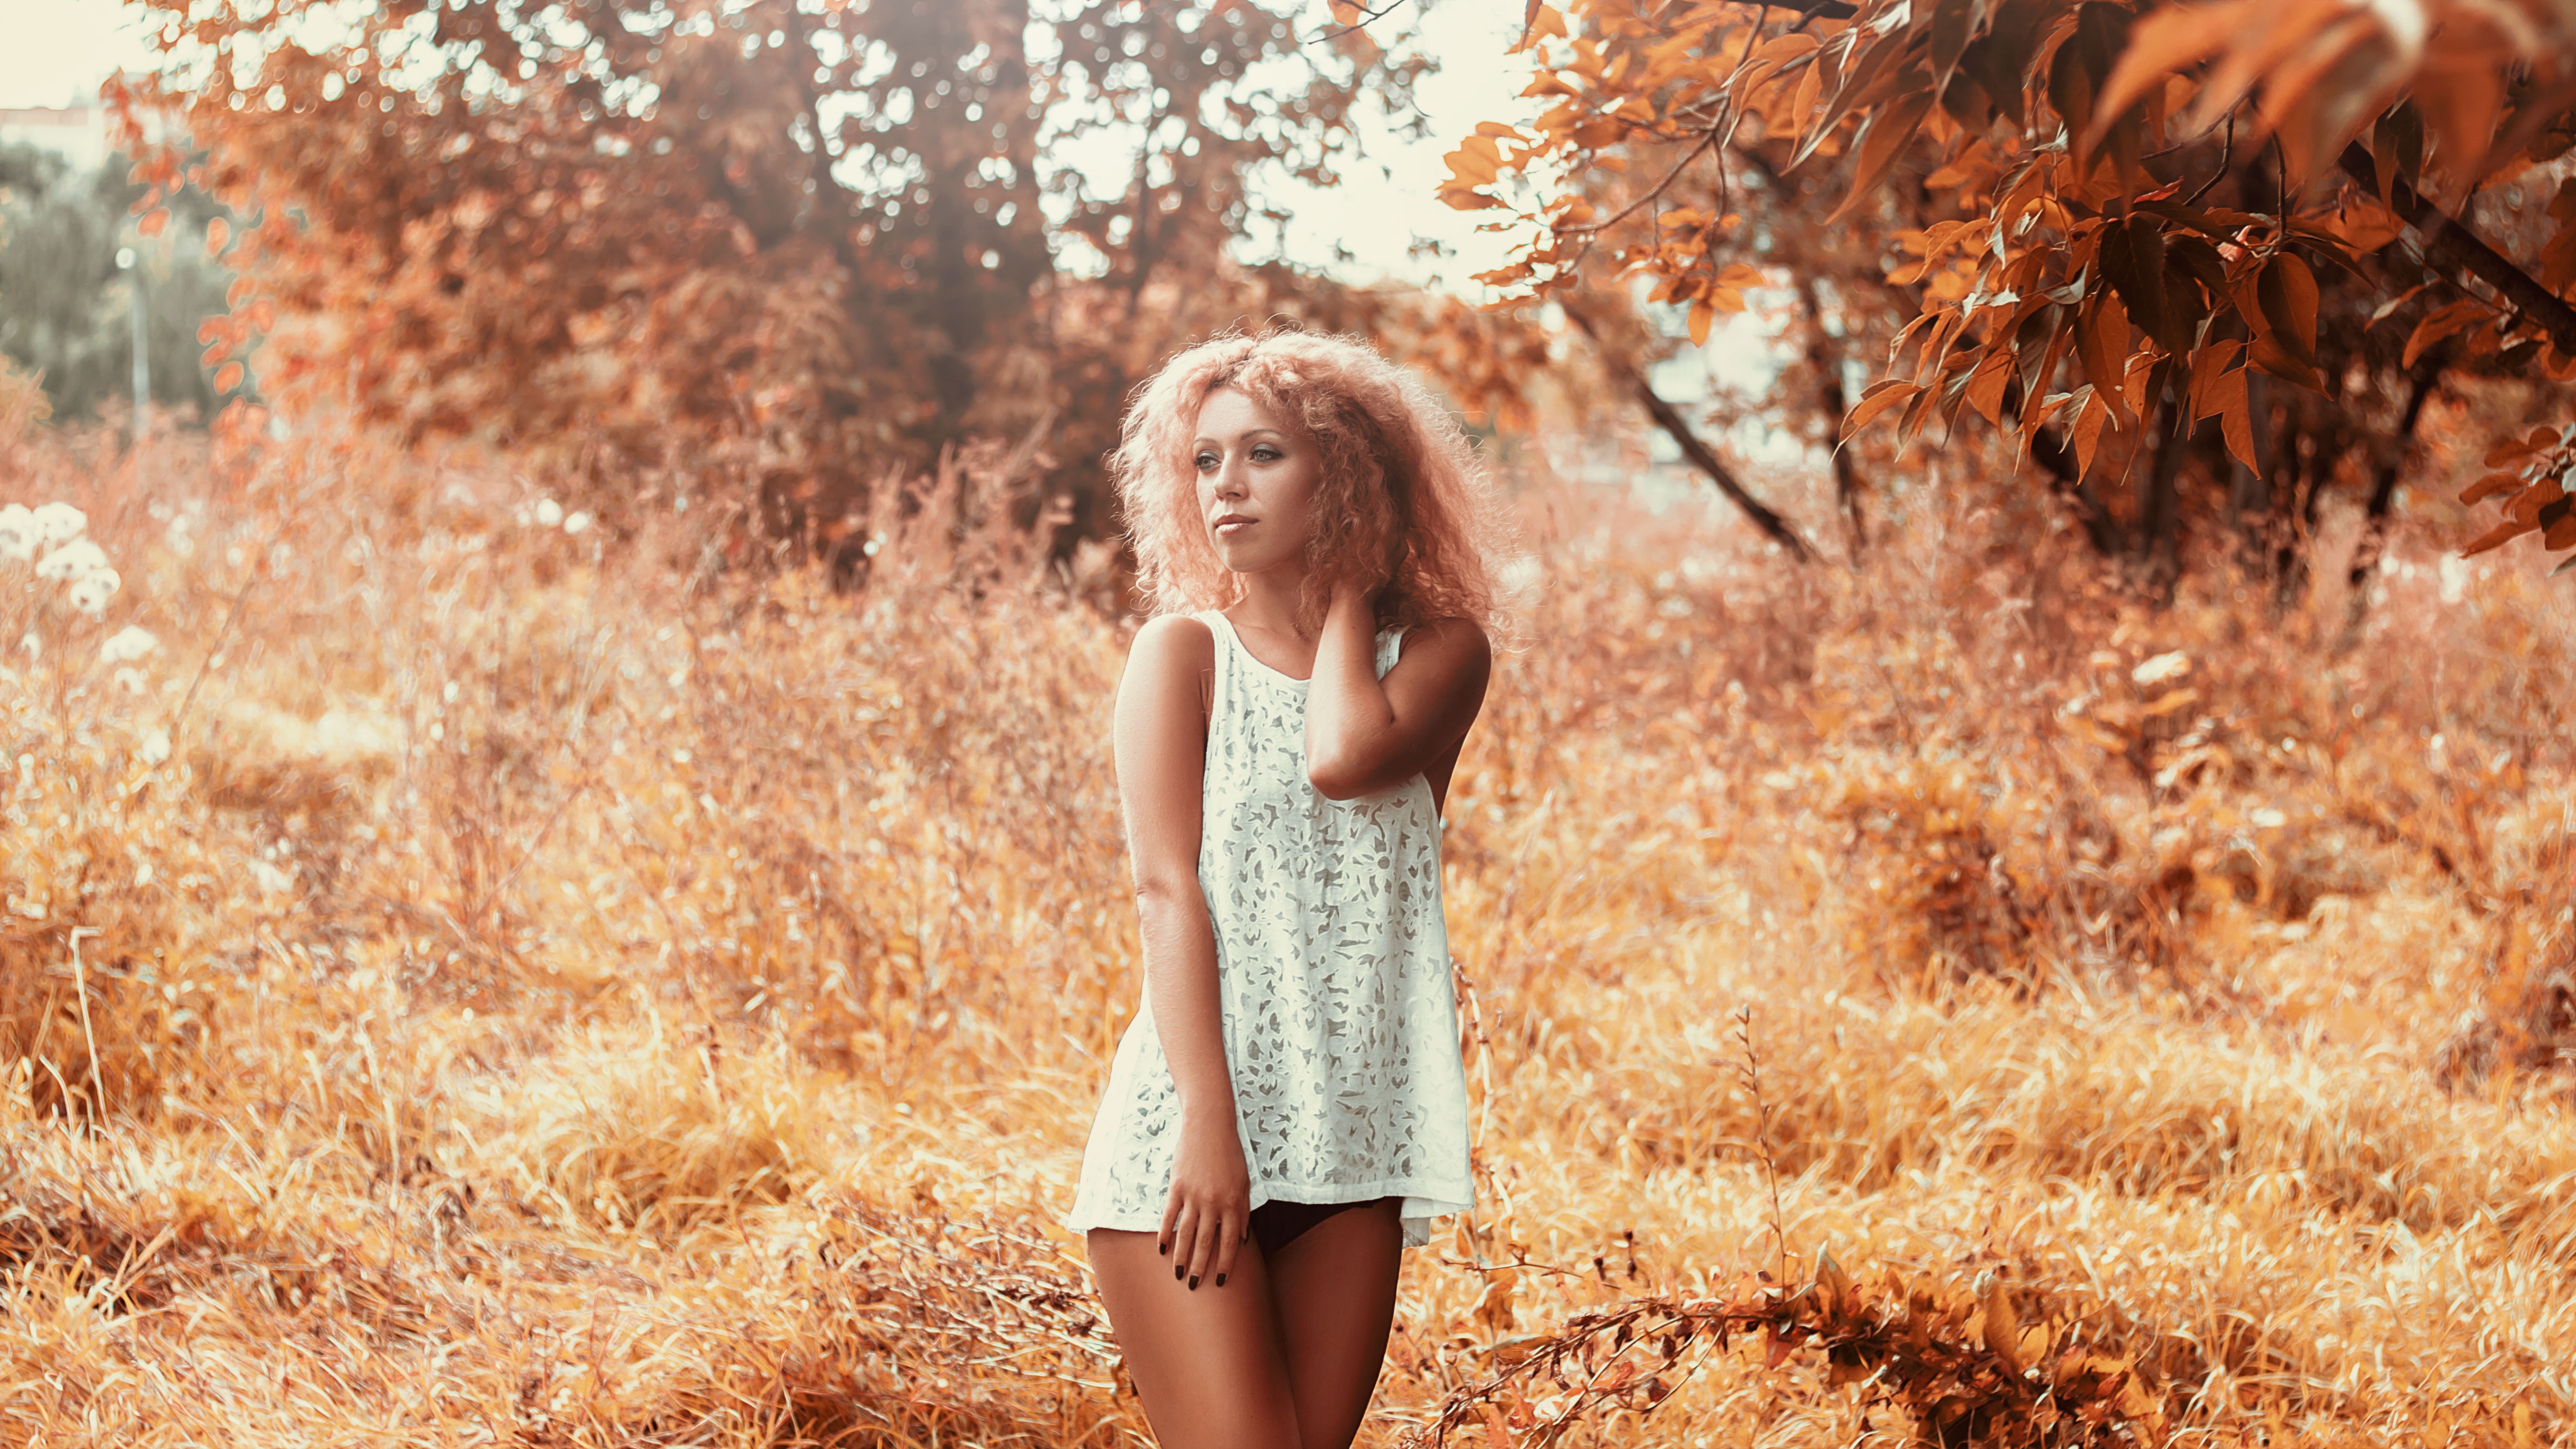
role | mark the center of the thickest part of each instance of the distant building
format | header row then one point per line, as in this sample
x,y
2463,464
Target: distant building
x,y
77,133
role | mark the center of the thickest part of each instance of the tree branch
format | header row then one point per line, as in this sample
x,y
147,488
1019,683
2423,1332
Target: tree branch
x,y
1827,360
2451,244
1366,16
1671,420
1822,10
1773,526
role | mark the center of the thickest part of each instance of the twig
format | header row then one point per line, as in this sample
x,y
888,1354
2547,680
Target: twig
x,y
1707,139
1752,1070
1365,17
1815,10
1464,987
2226,158
80,988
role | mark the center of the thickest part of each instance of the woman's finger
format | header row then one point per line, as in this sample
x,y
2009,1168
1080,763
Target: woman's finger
x,y
1185,1236
1171,1223
1229,1237
1209,1225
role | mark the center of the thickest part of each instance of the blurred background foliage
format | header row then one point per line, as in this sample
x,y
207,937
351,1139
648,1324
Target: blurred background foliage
x,y
771,250
65,305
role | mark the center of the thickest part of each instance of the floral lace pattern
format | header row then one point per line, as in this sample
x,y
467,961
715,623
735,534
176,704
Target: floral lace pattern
x,y
1341,1027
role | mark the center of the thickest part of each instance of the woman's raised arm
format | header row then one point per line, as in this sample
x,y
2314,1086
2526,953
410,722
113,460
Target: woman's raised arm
x,y
1365,734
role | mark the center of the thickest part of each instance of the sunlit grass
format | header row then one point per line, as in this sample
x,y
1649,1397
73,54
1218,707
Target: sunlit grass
x,y
504,984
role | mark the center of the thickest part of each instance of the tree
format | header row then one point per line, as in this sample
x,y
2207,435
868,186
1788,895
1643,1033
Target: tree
x,y
806,241
65,306
2125,234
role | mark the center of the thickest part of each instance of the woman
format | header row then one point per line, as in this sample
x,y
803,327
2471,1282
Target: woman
x,y
1287,1110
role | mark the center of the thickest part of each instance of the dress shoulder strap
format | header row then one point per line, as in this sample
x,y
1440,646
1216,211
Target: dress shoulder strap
x,y
1221,632
1390,647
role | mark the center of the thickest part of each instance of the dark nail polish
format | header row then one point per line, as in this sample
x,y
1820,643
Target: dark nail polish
x,y
1194,1282
1163,1248
1178,1273
1220,1280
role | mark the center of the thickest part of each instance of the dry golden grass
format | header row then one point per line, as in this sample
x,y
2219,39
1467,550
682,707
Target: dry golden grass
x,y
575,988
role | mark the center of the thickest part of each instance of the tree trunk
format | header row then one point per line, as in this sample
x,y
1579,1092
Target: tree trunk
x,y
2051,452
1827,360
2383,490
2294,502
2159,536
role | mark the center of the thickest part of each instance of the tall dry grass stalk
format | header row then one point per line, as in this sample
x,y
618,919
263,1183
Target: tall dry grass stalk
x,y
481,980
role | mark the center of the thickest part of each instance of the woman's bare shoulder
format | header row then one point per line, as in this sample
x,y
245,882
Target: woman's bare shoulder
x,y
1170,645
1456,636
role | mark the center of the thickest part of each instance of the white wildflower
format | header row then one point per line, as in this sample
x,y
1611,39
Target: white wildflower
x,y
56,522
549,512
78,557
270,878
90,592
133,680
2162,667
155,747
17,532
576,523
127,645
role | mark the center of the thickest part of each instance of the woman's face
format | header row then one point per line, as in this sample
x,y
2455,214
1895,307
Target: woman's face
x,y
1256,484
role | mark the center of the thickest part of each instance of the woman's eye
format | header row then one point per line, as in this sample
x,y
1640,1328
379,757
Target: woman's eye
x,y
1264,455
1206,461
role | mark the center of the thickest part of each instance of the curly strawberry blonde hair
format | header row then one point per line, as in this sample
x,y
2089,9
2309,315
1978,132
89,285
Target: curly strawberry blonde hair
x,y
1401,505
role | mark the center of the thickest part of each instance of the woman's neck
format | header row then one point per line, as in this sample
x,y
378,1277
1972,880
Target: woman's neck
x,y
1269,601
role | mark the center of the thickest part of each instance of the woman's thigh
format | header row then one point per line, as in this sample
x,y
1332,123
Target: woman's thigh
x,y
1334,1291
1206,1360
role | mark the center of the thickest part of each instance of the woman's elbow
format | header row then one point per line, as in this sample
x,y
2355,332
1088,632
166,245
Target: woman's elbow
x,y
1159,891
1336,779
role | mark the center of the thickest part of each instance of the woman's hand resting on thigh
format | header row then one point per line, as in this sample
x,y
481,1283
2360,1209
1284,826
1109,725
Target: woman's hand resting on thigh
x,y
1210,1212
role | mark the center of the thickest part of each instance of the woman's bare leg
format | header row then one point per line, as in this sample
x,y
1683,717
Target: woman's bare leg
x,y
1334,1292
1205,1360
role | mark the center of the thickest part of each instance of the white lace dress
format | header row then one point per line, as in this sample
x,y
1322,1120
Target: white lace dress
x,y
1341,1025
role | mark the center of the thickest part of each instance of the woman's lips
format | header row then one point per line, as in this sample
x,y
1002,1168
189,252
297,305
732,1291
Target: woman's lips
x,y
1233,526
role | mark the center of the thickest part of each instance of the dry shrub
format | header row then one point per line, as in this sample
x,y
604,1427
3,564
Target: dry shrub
x,y
839,1321
645,1128
108,899
1970,1358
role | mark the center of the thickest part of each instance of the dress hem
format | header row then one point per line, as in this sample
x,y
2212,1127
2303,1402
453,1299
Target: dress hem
x,y
1419,1207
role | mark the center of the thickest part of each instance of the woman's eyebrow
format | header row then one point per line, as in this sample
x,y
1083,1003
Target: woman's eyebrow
x,y
1248,432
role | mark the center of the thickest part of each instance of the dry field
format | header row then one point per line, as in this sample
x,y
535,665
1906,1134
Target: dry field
x,y
478,979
